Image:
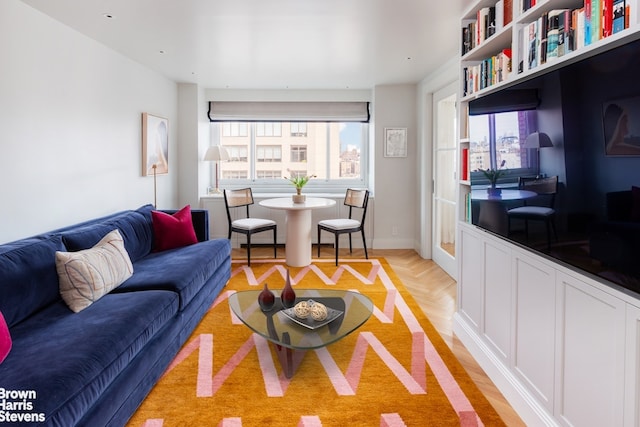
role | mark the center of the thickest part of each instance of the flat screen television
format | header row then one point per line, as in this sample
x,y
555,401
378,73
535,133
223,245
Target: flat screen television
x,y
591,112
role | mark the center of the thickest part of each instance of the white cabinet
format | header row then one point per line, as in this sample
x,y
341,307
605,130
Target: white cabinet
x,y
632,368
497,298
534,323
562,348
590,355
471,261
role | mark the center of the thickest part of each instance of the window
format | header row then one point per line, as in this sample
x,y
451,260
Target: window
x,y
298,153
499,137
269,174
298,129
327,139
234,129
268,129
269,153
333,151
238,153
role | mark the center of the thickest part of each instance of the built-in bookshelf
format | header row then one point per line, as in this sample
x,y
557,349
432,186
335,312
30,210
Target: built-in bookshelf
x,y
494,56
518,312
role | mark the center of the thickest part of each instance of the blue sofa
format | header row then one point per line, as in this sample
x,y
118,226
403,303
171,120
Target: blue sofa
x,y
95,367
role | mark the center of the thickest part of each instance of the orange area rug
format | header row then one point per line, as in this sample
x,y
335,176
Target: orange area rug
x,y
395,370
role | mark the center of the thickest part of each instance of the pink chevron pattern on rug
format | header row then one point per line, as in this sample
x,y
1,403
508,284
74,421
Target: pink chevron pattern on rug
x,y
411,367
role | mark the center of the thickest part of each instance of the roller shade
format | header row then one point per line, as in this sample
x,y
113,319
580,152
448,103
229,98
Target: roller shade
x,y
504,101
231,111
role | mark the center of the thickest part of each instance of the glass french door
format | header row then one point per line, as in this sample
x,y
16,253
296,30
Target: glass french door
x,y
444,179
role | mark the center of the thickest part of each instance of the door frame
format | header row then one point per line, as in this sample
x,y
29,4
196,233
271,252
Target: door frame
x,y
444,259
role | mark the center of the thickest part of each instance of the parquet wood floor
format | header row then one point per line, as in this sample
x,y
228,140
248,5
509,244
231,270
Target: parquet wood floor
x,y
435,292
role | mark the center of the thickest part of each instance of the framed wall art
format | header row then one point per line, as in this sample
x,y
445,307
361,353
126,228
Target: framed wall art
x,y
621,125
155,145
395,142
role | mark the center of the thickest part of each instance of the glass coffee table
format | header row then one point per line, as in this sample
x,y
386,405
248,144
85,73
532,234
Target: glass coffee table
x,y
292,336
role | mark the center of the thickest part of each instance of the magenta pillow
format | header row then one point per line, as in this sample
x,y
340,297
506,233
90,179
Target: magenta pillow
x,y
635,206
5,339
173,231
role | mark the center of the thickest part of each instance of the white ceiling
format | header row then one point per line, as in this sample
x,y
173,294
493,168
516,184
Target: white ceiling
x,y
273,44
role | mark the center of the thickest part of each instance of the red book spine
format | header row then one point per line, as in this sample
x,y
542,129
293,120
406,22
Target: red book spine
x,y
465,164
508,11
607,18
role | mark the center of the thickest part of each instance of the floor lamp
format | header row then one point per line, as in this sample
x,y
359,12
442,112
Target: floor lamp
x,y
538,140
216,153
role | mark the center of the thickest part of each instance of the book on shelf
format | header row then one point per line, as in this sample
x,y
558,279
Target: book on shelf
x,y
607,18
596,20
560,31
508,12
587,22
465,164
526,5
488,72
564,28
531,45
618,18
499,15
543,31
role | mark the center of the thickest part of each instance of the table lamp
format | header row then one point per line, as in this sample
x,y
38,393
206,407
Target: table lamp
x,y
216,153
538,140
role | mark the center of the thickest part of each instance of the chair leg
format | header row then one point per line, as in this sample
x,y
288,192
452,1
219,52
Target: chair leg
x,y
350,245
364,243
275,247
337,240
318,241
249,249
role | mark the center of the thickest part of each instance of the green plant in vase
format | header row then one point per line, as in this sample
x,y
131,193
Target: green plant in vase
x,y
493,175
299,182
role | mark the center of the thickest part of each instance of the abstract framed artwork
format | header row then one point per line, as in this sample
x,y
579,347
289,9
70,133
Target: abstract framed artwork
x,y
395,142
155,145
621,125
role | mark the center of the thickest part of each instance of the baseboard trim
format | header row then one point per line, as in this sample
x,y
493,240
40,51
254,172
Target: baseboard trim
x,y
522,401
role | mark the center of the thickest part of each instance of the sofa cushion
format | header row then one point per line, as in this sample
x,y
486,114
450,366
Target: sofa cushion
x,y
69,360
183,270
85,276
5,339
134,226
173,231
28,277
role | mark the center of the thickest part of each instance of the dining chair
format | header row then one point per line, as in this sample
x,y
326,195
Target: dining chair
x,y
248,226
539,208
354,199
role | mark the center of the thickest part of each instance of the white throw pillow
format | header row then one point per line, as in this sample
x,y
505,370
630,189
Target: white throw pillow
x,y
85,276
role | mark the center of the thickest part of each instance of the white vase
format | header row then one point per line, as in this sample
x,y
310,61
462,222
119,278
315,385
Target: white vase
x,y
298,198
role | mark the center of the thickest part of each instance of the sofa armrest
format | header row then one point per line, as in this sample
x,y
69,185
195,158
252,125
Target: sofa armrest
x,y
200,218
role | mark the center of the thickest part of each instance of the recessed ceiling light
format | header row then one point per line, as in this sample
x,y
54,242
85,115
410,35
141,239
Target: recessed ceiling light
x,y
109,16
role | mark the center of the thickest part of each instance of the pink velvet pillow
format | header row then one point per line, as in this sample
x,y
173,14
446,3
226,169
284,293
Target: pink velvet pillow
x,y
173,231
5,339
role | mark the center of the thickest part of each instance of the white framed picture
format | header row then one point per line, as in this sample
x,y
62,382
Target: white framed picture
x,y
395,142
155,145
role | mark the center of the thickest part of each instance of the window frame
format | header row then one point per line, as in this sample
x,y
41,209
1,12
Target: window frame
x,y
479,179
315,185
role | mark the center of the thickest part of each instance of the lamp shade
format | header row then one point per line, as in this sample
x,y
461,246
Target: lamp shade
x,y
215,153
538,140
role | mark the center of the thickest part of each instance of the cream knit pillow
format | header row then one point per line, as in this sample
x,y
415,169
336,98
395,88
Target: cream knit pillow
x,y
85,276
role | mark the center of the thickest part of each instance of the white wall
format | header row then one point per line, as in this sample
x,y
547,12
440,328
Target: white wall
x,y
395,178
70,126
